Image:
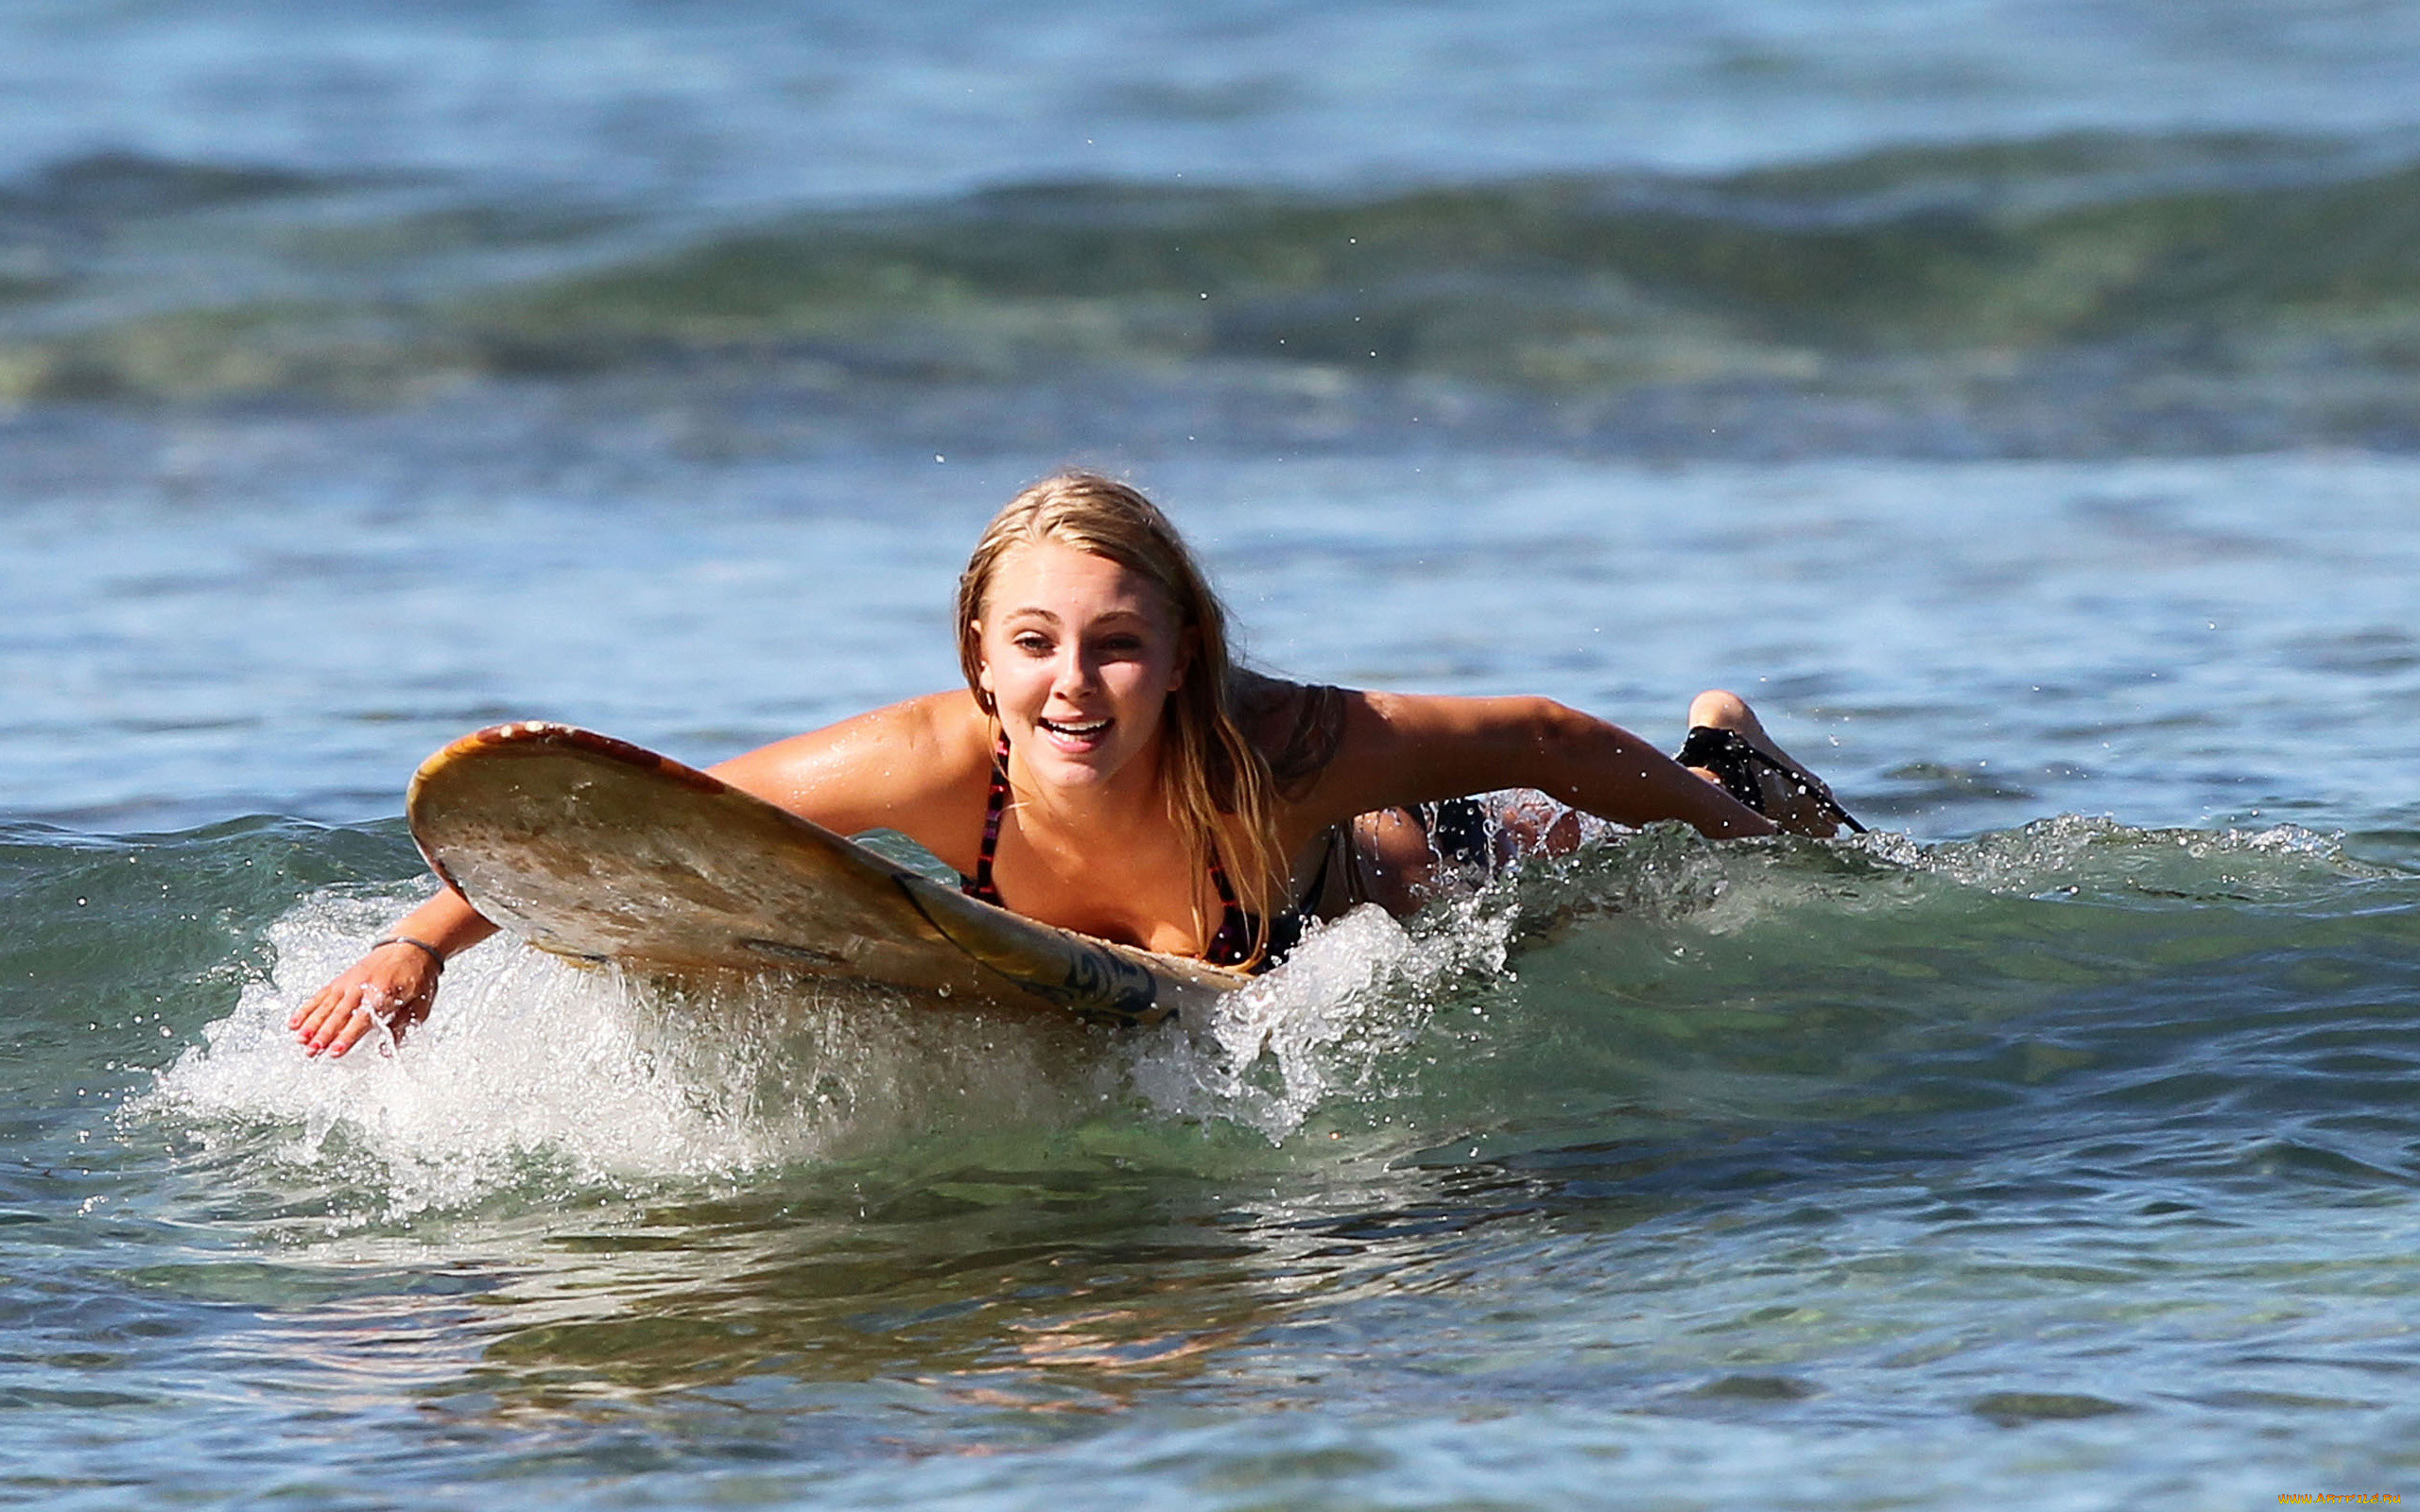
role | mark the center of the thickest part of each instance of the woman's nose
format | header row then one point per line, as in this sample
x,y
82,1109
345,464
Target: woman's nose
x,y
1076,670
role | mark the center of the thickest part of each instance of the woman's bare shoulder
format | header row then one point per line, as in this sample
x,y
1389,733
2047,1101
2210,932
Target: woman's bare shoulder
x,y
948,725
881,769
1297,726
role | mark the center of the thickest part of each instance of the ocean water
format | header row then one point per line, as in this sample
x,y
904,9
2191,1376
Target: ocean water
x,y
2017,400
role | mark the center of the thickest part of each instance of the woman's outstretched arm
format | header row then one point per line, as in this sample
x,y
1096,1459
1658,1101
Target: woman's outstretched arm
x,y
1403,748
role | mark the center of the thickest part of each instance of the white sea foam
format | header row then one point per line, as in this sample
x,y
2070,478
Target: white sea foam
x,y
1327,1027
531,1062
531,1059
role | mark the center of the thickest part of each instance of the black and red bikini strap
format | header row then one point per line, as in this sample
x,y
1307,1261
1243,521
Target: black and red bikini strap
x,y
994,804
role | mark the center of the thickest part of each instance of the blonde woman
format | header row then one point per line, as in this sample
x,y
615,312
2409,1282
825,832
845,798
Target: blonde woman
x,y
1109,769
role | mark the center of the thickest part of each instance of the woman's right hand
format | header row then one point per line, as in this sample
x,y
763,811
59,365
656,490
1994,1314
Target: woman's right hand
x,y
394,983
392,986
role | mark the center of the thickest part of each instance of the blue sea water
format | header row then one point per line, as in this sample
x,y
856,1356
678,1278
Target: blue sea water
x,y
2016,399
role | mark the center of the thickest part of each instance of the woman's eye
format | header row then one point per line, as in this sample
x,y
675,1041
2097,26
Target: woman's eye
x,y
1033,645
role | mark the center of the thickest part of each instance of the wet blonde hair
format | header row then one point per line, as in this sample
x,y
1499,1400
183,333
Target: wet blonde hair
x,y
1216,783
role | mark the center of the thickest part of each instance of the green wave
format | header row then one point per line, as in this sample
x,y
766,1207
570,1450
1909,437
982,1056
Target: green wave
x,y
2236,255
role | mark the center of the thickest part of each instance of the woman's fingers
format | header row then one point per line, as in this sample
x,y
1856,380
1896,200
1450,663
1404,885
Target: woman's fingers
x,y
372,1009
311,1006
340,1034
328,1023
348,1031
333,1020
332,1001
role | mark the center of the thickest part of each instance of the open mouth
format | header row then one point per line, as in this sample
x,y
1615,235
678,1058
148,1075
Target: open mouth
x,y
1074,729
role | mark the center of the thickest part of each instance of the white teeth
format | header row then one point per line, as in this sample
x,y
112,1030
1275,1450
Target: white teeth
x,y
1060,728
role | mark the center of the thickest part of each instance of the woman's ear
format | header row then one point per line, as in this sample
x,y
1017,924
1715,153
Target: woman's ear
x,y
985,694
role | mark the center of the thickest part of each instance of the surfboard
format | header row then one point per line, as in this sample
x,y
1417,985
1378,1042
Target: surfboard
x,y
603,851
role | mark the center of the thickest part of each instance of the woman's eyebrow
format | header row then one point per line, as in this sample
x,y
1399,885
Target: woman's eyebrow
x,y
1037,612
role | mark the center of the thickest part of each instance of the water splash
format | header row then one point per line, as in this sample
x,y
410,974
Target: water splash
x,y
1333,1027
534,1067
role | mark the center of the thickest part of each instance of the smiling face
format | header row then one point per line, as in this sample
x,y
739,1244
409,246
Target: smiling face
x,y
1080,655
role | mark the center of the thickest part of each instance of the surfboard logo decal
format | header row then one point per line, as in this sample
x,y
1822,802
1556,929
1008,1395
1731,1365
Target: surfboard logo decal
x,y
1094,984
1102,988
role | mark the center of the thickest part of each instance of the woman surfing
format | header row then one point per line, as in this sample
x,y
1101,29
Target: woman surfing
x,y
1109,769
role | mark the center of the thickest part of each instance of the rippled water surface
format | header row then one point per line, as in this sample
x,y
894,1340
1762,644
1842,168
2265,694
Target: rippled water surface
x,y
2054,1132
2026,425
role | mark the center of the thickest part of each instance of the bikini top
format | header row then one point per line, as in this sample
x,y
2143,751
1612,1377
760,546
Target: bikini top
x,y
1237,932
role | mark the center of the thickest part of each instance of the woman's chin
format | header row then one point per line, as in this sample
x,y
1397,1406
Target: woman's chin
x,y
1066,769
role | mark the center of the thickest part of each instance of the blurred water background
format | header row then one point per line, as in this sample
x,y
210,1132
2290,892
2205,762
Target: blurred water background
x,y
2018,400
